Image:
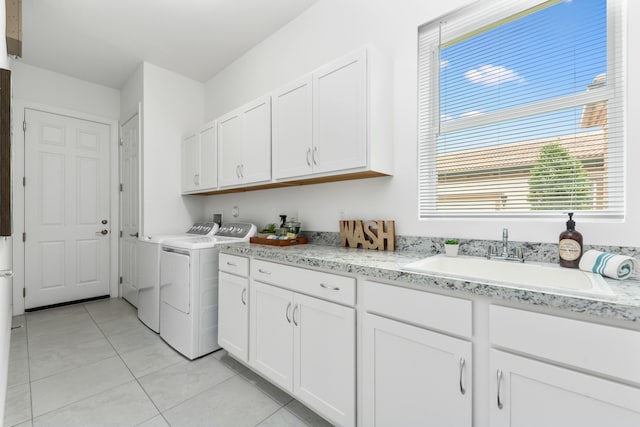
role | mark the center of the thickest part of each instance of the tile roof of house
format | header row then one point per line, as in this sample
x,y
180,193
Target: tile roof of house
x,y
583,146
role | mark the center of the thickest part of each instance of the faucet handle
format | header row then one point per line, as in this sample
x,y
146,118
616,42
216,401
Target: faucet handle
x,y
519,253
490,251
505,233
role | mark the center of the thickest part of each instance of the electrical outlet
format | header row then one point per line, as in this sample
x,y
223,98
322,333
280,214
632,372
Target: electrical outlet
x,y
235,212
217,218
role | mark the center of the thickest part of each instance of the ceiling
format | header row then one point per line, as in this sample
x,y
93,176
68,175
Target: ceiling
x,y
104,41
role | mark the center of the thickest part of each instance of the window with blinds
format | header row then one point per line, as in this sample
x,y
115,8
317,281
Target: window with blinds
x,y
521,110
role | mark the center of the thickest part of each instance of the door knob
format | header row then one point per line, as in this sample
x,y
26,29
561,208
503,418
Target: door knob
x,y
103,232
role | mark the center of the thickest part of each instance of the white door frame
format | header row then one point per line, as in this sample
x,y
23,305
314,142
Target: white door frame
x,y
17,146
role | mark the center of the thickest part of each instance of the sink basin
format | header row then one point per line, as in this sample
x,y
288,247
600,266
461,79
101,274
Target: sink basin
x,y
539,276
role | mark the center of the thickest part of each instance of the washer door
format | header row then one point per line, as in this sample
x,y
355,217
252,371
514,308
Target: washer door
x,y
175,279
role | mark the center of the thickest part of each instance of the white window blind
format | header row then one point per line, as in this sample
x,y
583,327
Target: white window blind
x,y
521,110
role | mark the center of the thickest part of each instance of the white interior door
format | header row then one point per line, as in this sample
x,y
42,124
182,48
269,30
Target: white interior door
x,y
67,220
129,214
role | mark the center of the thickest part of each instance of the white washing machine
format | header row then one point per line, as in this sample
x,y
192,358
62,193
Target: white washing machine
x,y
189,289
148,271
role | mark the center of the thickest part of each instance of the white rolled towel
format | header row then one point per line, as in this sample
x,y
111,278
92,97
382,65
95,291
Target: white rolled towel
x,y
611,265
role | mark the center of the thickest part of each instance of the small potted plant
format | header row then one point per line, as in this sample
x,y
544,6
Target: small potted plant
x,y
451,247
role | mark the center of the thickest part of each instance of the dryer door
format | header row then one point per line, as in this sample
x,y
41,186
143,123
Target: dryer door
x,y
174,279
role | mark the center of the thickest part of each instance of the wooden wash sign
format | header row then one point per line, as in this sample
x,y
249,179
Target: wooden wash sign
x,y
380,235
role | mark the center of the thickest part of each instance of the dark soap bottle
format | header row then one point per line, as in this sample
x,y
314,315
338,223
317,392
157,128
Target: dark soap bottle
x,y
570,247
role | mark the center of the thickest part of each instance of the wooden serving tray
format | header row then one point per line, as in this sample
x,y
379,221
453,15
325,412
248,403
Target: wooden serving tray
x,y
273,242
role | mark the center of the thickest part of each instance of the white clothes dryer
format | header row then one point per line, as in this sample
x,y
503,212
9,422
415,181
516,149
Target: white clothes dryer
x,y
148,271
189,289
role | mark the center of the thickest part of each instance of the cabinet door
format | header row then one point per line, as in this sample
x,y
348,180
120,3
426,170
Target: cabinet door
x,y
209,156
526,392
414,377
271,333
229,148
292,129
325,357
255,165
340,114
233,315
190,162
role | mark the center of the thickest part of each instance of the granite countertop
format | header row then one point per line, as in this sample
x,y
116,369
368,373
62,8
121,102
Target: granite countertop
x,y
387,266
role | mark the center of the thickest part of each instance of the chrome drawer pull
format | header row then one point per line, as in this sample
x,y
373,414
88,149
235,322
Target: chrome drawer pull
x,y
331,288
231,264
264,271
462,389
499,375
243,296
286,313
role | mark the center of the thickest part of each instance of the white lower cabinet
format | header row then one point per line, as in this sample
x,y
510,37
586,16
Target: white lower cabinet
x,y
414,377
233,315
306,346
526,392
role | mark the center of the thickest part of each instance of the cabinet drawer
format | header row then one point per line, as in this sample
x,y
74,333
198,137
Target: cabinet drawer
x,y
328,286
605,349
440,312
234,264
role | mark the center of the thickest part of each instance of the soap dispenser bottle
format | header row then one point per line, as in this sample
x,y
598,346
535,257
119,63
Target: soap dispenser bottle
x,y
570,247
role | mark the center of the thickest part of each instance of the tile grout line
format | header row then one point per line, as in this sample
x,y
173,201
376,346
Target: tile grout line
x,y
136,379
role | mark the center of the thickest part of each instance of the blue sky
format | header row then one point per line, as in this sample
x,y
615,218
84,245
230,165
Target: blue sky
x,y
553,52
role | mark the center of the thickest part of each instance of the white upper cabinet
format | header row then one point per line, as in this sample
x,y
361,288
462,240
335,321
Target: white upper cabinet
x,y
244,138
200,159
340,114
209,156
334,121
329,125
292,129
190,162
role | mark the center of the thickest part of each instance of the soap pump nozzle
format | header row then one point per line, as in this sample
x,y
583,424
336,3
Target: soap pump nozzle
x,y
571,224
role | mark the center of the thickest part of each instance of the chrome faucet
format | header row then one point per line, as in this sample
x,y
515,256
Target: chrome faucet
x,y
505,242
493,251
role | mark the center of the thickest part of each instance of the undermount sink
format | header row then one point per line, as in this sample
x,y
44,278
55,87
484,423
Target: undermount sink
x,y
539,276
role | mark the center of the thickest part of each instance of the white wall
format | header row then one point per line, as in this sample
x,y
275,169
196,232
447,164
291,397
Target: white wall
x,y
172,104
37,85
333,27
131,94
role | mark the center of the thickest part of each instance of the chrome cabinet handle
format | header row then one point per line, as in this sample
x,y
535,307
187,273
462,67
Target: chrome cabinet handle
x,y
295,308
134,235
243,296
196,179
499,378
286,312
264,271
462,363
315,156
7,274
308,157
231,264
238,171
241,171
331,288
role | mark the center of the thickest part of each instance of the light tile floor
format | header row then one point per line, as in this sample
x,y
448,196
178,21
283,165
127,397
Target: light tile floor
x,y
95,364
